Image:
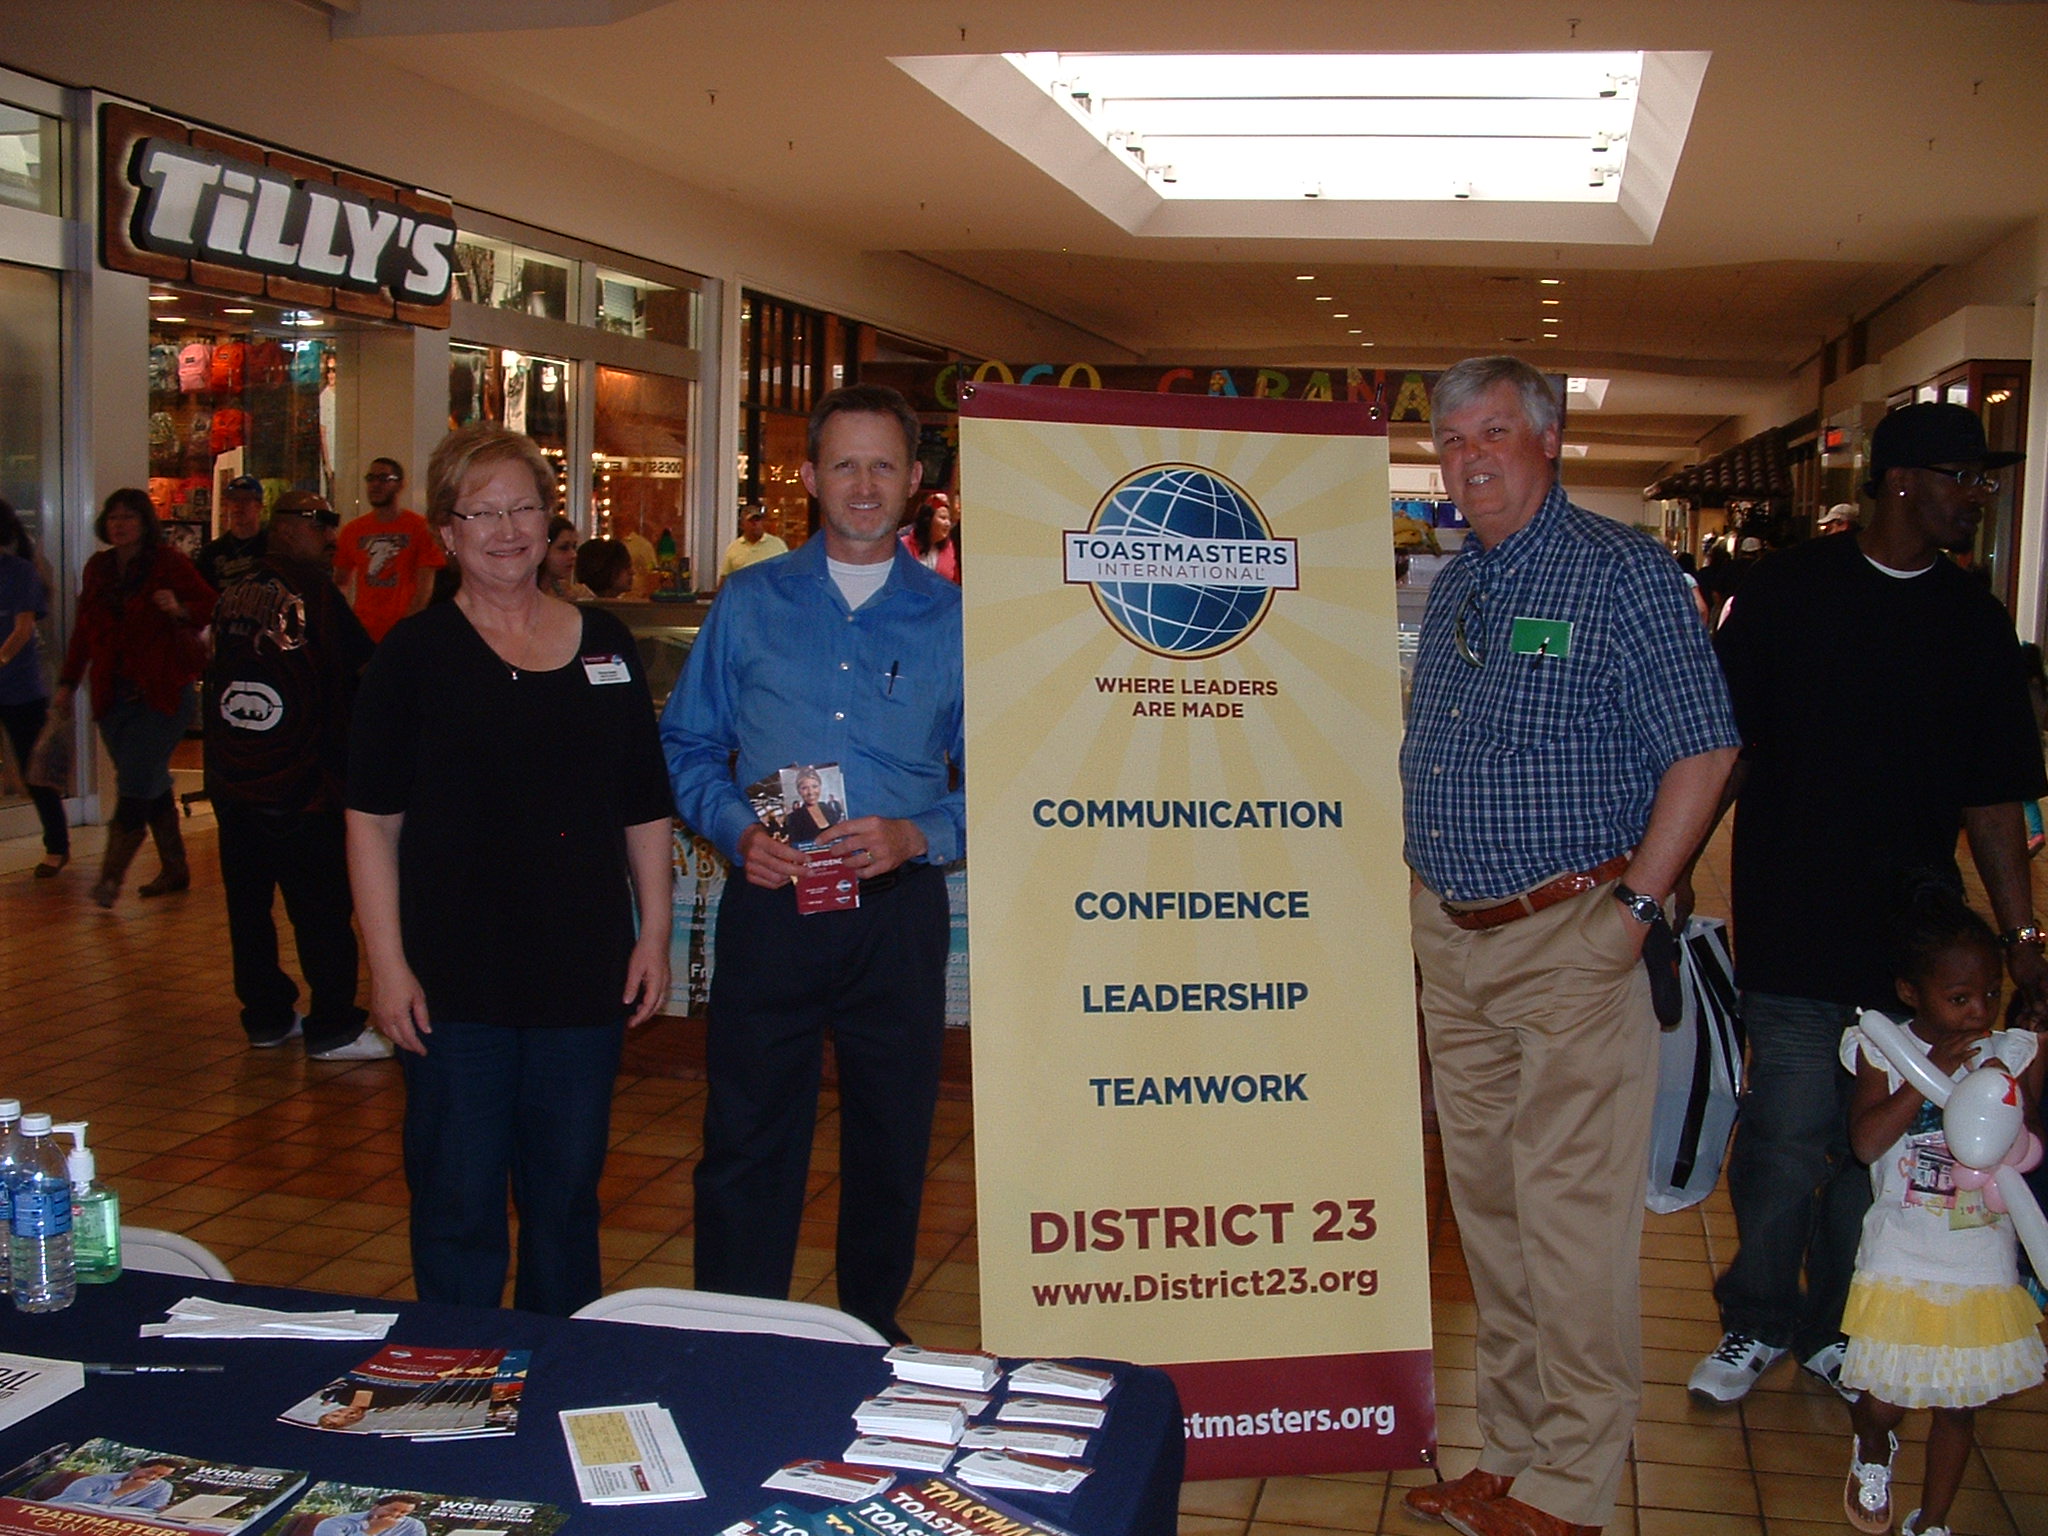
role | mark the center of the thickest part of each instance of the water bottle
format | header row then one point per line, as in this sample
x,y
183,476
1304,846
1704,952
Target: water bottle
x,y
39,1247
10,1165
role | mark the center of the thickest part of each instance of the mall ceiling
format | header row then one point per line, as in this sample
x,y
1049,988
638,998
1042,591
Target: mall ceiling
x,y
1839,152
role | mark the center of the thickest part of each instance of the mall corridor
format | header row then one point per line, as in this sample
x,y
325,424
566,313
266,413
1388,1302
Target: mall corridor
x,y
289,1171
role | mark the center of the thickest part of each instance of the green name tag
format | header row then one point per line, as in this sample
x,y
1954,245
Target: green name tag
x,y
1540,637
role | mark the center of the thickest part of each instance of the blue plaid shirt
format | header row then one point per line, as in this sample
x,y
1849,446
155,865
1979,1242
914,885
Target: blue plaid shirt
x,y
1533,764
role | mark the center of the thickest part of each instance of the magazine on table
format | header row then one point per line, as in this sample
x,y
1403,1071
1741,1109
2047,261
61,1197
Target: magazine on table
x,y
159,1488
420,1393
30,1383
916,1506
345,1509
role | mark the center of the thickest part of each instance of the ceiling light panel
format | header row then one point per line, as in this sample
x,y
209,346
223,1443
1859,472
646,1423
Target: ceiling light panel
x,y
1416,146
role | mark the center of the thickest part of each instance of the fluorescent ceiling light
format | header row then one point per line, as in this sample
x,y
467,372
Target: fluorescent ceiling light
x,y
1343,146
1585,394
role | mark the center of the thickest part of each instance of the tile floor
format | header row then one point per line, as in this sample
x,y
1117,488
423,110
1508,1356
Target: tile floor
x,y
290,1171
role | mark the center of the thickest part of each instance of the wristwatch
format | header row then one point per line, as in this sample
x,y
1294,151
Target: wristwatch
x,y
2032,934
1644,909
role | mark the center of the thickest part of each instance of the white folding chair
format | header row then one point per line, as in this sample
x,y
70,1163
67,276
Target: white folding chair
x,y
661,1306
169,1253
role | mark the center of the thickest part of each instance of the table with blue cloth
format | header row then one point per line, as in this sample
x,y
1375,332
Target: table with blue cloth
x,y
745,1404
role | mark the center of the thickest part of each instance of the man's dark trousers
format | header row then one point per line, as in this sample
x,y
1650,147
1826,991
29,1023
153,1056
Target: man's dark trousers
x,y
303,854
875,977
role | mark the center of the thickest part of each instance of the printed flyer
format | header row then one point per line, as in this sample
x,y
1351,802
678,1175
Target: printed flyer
x,y
1197,1118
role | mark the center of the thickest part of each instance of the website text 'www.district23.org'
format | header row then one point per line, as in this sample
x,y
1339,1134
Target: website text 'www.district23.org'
x,y
1134,558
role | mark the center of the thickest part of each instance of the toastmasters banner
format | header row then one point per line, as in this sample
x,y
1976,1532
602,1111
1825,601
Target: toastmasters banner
x,y
1196,1115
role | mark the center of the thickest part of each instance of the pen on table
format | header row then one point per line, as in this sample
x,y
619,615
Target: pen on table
x,y
892,678
107,1368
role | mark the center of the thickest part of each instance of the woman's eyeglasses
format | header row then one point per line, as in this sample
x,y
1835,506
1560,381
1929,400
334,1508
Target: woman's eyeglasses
x,y
503,514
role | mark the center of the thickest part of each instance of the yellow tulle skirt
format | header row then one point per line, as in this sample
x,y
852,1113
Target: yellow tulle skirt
x,y
1923,1344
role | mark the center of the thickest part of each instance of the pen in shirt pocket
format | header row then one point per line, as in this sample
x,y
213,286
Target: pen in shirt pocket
x,y
893,668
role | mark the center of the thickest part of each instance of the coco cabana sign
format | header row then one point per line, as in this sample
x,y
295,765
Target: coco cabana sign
x,y
181,203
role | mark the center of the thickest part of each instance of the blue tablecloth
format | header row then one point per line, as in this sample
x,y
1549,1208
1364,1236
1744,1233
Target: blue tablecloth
x,y
745,1404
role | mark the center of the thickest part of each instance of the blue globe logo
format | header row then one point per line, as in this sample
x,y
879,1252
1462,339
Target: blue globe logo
x,y
1183,618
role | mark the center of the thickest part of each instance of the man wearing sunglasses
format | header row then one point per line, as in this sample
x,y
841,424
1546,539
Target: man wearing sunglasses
x,y
1883,709
385,560
1566,747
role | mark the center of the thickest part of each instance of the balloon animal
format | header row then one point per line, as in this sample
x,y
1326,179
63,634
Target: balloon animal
x,y
1985,1128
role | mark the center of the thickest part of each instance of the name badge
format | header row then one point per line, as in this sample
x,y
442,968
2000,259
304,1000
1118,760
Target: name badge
x,y
1540,637
606,669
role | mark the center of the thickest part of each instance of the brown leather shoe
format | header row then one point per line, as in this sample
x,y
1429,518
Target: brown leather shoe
x,y
1429,1500
1508,1517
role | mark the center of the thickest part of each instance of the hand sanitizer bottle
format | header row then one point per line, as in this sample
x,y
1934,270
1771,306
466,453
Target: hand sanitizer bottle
x,y
95,1213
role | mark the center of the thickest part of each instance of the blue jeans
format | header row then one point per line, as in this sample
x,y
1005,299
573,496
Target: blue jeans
x,y
140,741
1799,1195
488,1101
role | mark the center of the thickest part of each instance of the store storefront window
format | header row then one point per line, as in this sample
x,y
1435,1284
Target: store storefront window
x,y
241,387
518,391
29,160
639,472
501,275
638,306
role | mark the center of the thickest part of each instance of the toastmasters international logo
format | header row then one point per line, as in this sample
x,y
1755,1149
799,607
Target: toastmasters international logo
x,y
1181,561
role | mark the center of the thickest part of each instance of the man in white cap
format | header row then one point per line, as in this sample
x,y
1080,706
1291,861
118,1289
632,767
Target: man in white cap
x,y
1840,518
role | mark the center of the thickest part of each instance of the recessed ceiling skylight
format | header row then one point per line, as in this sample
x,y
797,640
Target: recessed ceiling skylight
x,y
1562,147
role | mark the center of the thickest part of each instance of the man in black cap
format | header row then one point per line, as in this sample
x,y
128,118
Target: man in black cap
x,y
240,543
1883,709
286,655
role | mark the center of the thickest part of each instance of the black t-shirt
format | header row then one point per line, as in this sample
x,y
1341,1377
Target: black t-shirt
x,y
287,653
515,898
1873,709
227,558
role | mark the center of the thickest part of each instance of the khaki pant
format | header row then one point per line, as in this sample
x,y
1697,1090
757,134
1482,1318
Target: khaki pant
x,y
1542,1044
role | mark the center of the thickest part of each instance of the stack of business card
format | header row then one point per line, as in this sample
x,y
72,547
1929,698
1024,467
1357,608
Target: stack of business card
x,y
828,1480
1046,1410
1037,1442
905,1419
912,1455
1057,1378
960,1369
1018,1469
969,1403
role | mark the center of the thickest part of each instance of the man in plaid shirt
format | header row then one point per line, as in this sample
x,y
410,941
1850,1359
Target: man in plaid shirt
x,y
1567,743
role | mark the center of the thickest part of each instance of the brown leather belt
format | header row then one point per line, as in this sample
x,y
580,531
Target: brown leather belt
x,y
1549,894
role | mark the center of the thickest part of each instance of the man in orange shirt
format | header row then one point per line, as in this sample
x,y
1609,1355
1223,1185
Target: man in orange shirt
x,y
385,560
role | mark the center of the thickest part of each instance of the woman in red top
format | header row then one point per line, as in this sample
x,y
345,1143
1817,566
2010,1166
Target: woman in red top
x,y
137,640
930,538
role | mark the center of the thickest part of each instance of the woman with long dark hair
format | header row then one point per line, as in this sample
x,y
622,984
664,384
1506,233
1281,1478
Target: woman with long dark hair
x,y
24,693
930,537
137,641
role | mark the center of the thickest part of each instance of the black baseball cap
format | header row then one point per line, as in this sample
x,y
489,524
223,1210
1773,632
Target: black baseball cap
x,y
243,485
1927,434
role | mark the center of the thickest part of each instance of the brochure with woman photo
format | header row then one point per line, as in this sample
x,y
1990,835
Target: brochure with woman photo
x,y
798,805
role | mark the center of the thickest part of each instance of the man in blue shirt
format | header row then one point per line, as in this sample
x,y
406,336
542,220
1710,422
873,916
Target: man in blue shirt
x,y
846,651
1567,742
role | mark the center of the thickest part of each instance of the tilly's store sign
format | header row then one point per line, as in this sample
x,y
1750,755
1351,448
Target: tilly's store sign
x,y
179,203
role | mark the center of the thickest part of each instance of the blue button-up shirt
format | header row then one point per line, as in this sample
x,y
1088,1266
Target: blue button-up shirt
x,y
1533,764
784,673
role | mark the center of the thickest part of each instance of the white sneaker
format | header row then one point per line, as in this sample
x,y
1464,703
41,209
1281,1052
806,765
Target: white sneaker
x,y
298,1027
1731,1370
1913,1527
1867,1496
1826,1364
367,1046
